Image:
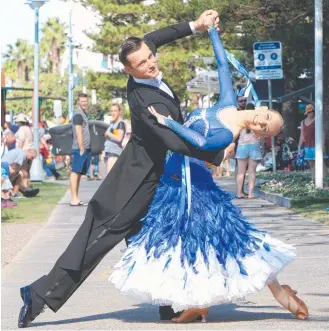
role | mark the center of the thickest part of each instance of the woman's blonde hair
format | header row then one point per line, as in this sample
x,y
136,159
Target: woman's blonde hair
x,y
116,105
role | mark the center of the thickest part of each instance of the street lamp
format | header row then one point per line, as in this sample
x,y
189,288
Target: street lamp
x,y
36,172
71,78
84,79
208,61
318,73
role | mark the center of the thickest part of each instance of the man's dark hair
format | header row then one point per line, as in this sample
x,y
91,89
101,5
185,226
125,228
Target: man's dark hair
x,y
130,45
82,95
250,106
17,167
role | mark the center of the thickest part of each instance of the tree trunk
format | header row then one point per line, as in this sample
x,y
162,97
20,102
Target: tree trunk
x,y
54,56
290,117
58,64
26,73
195,100
290,112
20,73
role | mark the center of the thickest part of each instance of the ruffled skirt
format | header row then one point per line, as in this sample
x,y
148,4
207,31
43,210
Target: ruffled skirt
x,y
207,256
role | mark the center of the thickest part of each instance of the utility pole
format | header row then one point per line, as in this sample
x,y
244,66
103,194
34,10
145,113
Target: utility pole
x,y
318,51
270,106
84,79
37,172
70,80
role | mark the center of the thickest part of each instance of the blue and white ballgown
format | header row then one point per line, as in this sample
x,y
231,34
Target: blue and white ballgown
x,y
195,248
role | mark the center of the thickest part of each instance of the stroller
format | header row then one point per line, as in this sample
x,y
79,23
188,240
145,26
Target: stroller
x,y
288,154
301,164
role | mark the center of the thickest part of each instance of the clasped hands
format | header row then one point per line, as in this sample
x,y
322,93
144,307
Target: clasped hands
x,y
207,19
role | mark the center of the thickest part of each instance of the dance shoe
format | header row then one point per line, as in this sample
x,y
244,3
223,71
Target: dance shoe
x,y
302,311
167,313
33,306
192,315
30,192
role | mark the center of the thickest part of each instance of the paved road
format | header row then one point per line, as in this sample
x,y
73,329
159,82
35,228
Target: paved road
x,y
98,305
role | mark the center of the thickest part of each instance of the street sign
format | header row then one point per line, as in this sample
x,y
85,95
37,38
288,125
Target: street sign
x,y
268,60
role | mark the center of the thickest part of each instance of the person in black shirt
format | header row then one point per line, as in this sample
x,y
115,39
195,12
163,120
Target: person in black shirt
x,y
80,148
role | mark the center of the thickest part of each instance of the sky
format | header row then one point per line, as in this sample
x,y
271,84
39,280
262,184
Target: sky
x,y
17,20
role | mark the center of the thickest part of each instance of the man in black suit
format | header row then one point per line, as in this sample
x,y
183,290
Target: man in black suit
x,y
123,198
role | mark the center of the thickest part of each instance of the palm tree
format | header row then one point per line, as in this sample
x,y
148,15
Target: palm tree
x,y
53,42
20,55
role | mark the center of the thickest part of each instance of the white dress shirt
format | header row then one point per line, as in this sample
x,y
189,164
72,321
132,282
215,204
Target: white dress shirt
x,y
156,82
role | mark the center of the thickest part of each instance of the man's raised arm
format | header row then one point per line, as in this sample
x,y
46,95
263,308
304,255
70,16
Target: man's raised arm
x,y
171,33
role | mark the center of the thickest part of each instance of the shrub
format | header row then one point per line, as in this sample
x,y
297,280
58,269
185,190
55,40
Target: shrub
x,y
296,185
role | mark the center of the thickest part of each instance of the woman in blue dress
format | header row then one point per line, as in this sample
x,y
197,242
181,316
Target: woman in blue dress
x,y
195,248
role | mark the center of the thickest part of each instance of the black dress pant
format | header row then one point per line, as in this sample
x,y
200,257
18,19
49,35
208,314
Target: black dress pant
x,y
57,287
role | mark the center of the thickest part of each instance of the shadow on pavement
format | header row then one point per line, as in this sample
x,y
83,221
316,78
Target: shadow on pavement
x,y
318,294
145,313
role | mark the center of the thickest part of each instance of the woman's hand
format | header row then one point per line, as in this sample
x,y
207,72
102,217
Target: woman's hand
x,y
160,118
230,151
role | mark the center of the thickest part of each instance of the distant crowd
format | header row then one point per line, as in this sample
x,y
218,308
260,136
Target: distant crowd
x,y
18,152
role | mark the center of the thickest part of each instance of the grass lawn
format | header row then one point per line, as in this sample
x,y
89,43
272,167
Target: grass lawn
x,y
35,209
306,199
315,211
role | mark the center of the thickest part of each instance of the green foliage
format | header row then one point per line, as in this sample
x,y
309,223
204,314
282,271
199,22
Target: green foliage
x,y
52,44
108,86
295,185
55,86
96,113
19,62
18,106
19,70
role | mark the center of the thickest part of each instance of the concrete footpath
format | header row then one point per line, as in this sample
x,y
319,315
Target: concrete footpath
x,y
98,305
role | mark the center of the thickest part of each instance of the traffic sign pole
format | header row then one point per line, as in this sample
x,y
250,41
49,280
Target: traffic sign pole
x,y
269,85
318,30
268,65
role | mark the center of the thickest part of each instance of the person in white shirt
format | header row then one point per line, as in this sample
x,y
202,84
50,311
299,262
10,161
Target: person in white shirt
x,y
24,135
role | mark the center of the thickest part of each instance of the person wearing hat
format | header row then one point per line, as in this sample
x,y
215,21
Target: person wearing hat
x,y
307,139
24,135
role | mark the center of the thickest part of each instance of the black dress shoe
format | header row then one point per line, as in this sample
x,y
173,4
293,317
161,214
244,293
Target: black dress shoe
x,y
30,192
33,306
167,313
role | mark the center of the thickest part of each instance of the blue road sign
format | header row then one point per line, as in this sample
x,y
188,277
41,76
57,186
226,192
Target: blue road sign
x,y
268,60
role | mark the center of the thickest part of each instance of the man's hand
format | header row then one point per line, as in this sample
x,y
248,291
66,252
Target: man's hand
x,y
206,20
82,151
